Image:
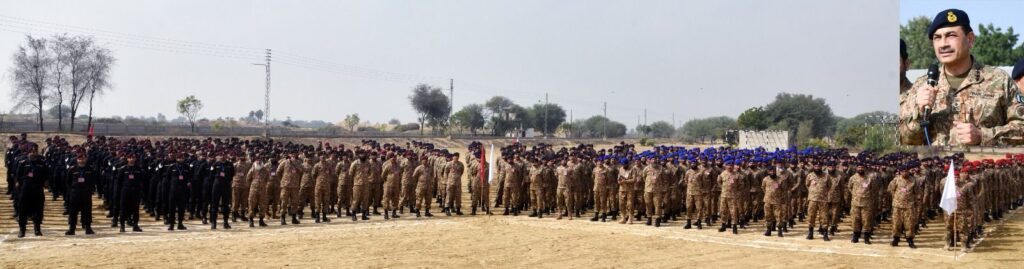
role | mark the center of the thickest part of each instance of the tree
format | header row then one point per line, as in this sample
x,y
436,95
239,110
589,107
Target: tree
x,y
993,46
431,104
553,113
57,112
702,129
259,115
595,127
661,129
753,118
99,78
31,72
919,45
790,111
78,57
395,122
351,121
190,107
470,117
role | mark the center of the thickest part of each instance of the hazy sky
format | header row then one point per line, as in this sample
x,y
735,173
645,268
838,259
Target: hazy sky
x,y
691,58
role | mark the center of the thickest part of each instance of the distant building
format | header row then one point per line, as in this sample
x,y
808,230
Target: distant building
x,y
768,140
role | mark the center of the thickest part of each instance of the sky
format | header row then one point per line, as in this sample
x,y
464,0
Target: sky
x,y
675,59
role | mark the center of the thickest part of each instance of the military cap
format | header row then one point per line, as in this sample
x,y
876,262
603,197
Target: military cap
x,y
1018,70
949,17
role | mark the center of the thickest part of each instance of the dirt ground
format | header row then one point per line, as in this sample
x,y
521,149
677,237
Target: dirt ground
x,y
483,241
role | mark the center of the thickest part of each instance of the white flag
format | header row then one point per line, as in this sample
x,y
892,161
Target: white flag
x,y
490,163
949,192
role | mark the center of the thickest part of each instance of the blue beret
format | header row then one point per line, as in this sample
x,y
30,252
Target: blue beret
x,y
1018,70
949,17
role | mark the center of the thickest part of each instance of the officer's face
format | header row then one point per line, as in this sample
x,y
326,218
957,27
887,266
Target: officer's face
x,y
1020,83
952,44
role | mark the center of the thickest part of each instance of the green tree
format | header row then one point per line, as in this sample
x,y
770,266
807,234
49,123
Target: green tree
x,y
790,111
351,121
470,117
919,45
661,129
190,107
699,130
754,119
877,139
554,113
993,46
432,106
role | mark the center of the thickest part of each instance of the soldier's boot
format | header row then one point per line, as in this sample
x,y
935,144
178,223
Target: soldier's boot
x,y
735,229
21,231
417,212
114,222
170,227
243,217
122,228
324,217
394,214
386,216
181,226
968,242
674,217
515,212
71,231
39,231
262,224
768,230
657,222
533,213
472,211
375,212
699,226
987,217
283,221
895,241
780,229
316,217
724,226
213,225
295,220
447,211
792,223
810,233
604,217
615,215
252,223
595,217
226,225
234,217
856,237
867,238
135,227
687,226
458,211
427,213
910,242
648,221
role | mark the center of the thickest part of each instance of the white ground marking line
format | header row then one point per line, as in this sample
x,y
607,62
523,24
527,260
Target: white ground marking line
x,y
751,243
206,235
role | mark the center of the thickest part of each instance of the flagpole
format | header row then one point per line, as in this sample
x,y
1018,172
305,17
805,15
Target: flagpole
x,y
955,234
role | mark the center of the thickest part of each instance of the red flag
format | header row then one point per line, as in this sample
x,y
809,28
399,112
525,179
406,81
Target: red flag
x,y
482,167
90,130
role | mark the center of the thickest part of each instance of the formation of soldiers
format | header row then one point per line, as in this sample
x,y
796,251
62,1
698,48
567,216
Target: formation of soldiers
x,y
220,181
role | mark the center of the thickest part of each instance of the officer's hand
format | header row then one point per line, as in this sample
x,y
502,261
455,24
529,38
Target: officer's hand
x,y
967,133
925,96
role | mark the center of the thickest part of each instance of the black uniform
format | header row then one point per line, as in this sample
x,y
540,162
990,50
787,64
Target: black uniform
x,y
32,176
131,179
81,182
178,187
221,174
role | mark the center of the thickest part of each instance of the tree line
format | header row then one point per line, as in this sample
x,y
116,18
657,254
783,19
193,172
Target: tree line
x,y
993,45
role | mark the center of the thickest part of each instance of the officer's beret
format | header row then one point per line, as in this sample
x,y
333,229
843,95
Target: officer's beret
x,y
949,17
1018,70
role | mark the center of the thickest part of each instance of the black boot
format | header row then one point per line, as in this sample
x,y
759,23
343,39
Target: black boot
x,y
135,227
39,231
810,233
252,223
533,213
354,218
295,220
262,224
768,231
71,231
723,228
394,214
856,237
734,229
285,222
781,228
910,242
657,222
182,227
867,238
316,217
324,217
366,215
895,241
427,213
824,234
648,221
688,224
699,226
226,225
595,217
604,217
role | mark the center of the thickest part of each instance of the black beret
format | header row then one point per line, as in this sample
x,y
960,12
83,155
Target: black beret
x,y
950,17
1018,70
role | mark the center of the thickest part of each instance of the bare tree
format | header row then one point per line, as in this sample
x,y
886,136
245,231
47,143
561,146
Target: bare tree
x,y
31,74
78,57
99,77
190,107
58,45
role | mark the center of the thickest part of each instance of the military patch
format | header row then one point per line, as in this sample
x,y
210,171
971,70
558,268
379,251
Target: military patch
x,y
950,16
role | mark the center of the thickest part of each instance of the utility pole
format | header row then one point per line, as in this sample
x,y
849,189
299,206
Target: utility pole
x,y
451,98
266,98
545,115
673,120
604,127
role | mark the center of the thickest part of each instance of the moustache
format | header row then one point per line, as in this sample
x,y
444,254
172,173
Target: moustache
x,y
946,49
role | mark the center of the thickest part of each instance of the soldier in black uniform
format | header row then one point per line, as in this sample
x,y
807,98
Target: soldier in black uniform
x,y
81,181
13,151
221,172
31,176
199,198
179,184
131,179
